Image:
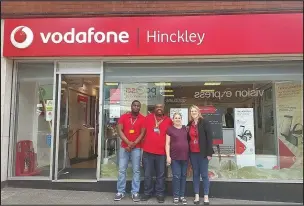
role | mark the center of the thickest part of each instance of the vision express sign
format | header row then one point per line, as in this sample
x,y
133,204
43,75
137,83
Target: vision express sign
x,y
154,36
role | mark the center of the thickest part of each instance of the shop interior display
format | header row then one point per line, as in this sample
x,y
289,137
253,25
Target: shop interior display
x,y
256,95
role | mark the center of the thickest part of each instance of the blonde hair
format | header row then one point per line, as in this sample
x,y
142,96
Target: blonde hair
x,y
177,113
197,109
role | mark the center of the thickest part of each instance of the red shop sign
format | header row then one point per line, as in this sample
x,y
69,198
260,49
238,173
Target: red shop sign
x,y
155,36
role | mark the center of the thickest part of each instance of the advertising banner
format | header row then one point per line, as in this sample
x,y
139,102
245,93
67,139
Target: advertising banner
x,y
129,93
147,93
154,36
214,117
49,110
114,111
289,111
244,137
114,96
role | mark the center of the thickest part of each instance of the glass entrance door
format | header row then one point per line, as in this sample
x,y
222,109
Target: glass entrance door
x,y
62,129
77,127
64,136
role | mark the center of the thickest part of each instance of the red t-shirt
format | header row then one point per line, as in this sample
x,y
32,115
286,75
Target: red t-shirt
x,y
194,141
131,127
155,142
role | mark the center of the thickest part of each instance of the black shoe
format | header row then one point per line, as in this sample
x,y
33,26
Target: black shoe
x,y
119,196
135,197
145,197
183,200
160,199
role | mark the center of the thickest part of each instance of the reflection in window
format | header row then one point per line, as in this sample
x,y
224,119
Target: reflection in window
x,y
34,110
264,97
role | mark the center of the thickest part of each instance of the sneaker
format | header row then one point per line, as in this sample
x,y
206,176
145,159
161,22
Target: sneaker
x,y
160,199
206,200
196,200
183,200
119,196
175,201
135,197
145,197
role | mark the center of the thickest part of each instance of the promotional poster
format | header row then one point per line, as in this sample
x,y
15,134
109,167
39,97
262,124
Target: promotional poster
x,y
214,116
289,107
244,139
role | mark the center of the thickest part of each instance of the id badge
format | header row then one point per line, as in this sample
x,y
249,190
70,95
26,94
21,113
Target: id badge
x,y
156,130
131,131
195,141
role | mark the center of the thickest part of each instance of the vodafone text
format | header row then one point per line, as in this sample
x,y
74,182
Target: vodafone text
x,y
175,37
92,36
89,36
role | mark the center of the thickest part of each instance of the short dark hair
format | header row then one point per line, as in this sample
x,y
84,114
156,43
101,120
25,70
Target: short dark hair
x,y
135,102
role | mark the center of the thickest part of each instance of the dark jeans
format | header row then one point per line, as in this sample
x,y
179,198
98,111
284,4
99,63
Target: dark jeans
x,y
156,164
200,169
179,173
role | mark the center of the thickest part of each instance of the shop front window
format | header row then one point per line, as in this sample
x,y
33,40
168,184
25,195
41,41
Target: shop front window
x,y
257,122
33,121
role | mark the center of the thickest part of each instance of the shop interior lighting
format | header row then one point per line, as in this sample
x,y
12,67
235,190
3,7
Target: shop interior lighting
x,y
162,84
207,90
212,83
111,84
168,95
167,90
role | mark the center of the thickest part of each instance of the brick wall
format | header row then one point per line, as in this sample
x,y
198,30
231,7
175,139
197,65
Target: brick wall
x,y
22,9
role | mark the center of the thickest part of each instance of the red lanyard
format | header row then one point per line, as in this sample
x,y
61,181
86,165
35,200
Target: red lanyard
x,y
157,123
131,120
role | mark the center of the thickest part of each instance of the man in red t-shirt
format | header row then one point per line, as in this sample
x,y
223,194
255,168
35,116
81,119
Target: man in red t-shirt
x,y
131,131
154,154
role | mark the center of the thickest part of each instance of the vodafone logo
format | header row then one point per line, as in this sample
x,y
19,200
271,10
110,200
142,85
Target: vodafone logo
x,y
22,37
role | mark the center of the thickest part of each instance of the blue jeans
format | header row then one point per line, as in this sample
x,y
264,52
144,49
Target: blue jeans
x,y
124,158
154,164
179,173
200,169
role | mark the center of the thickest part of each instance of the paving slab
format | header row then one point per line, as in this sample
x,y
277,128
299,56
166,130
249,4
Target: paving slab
x,y
22,196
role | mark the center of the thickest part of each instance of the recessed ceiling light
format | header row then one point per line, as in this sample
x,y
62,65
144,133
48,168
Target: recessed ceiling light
x,y
212,83
167,90
111,84
162,84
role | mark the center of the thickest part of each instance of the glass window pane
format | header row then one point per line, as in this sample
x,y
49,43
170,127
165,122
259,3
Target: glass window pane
x,y
275,142
34,108
289,126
